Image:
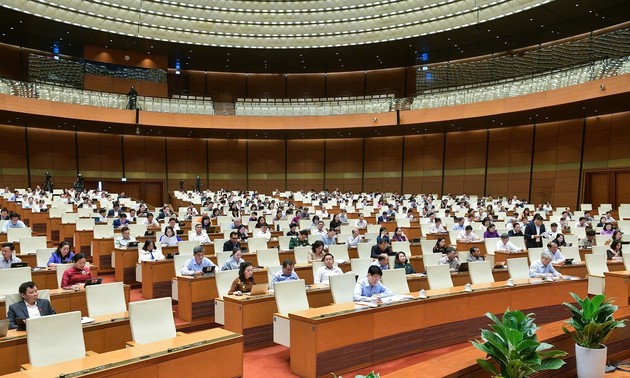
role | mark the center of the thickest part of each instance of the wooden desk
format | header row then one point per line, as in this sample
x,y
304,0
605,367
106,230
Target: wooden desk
x,y
252,317
196,297
618,286
101,254
220,350
29,258
65,301
125,269
101,336
447,317
502,257
67,232
83,242
47,278
38,222
463,246
156,278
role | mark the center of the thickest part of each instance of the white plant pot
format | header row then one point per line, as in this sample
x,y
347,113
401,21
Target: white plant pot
x,y
591,363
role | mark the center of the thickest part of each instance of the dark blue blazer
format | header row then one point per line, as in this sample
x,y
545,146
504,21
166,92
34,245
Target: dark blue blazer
x,y
19,310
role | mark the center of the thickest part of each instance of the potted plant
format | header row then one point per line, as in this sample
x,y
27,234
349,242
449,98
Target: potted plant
x,y
593,323
513,345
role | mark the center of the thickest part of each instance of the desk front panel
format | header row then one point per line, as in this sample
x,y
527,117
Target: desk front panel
x,y
156,278
196,297
101,253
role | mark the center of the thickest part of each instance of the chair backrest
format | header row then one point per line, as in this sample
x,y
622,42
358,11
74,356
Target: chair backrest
x,y
15,234
360,266
480,272
571,238
463,255
151,320
518,268
178,263
599,249
596,263
218,245
85,212
254,244
185,247
342,287
137,230
290,296
571,253
340,251
31,244
103,231
84,224
283,242
105,299
222,257
626,261
431,259
403,222
427,246
439,277
60,268
316,265
518,241
268,257
364,250
396,281
602,239
224,280
313,238
271,271
16,297
301,254
55,338
534,254
401,247
11,279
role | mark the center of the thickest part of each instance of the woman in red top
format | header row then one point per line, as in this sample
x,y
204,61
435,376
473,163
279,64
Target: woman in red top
x,y
76,274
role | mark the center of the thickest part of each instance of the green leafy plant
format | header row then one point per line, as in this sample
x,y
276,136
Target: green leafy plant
x,y
513,345
371,375
593,322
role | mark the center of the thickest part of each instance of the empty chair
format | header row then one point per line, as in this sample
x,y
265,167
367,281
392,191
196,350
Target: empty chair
x,y
31,244
271,271
602,239
360,266
84,224
518,268
11,279
268,257
313,238
283,242
340,251
254,244
301,254
626,262
364,250
218,245
396,281
151,320
290,297
596,267
178,263
137,230
223,281
106,299
103,231
439,277
15,234
42,255
463,256
431,259
55,338
16,297
342,287
599,249
185,247
480,272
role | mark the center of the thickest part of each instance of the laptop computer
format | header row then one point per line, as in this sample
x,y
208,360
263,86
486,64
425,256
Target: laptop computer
x,y
19,265
463,267
93,281
133,244
170,256
259,289
208,269
568,261
21,323
179,232
149,233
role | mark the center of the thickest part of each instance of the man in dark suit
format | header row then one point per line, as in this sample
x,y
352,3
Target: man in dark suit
x,y
534,231
114,212
30,306
232,243
380,248
121,221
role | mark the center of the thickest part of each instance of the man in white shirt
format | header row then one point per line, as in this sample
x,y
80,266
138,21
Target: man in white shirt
x,y
581,223
151,222
199,235
505,245
543,267
264,232
319,230
14,222
323,274
330,238
468,236
557,259
355,238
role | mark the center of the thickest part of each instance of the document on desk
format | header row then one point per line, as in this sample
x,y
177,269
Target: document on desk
x,y
396,298
85,319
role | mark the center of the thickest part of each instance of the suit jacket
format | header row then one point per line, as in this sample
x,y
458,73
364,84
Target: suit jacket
x,y
530,229
19,310
117,223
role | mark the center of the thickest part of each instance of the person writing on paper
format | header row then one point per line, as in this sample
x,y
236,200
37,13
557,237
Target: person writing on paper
x,y
245,280
557,259
285,274
382,261
323,274
401,262
450,259
30,306
468,236
7,256
75,276
543,268
194,265
440,245
437,228
235,260
149,252
355,238
62,255
329,239
370,287
299,241
124,238
505,245
199,235
151,222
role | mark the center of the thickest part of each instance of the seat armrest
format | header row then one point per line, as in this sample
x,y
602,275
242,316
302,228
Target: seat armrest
x,y
26,367
90,353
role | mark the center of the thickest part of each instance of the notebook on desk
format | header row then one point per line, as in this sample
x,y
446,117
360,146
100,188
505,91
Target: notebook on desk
x,y
259,289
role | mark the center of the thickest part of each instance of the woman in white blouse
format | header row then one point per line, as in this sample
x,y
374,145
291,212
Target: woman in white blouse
x,y
169,239
149,252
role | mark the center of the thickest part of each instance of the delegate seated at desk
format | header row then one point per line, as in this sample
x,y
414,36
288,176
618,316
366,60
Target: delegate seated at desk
x,y
505,245
370,287
468,236
62,255
355,238
245,280
475,255
14,222
121,222
615,252
543,267
75,276
124,239
170,238
151,222
264,232
557,259
323,273
317,251
286,273
149,252
299,241
30,306
401,262
7,256
199,235
232,243
381,247
235,260
382,261
450,259
194,265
